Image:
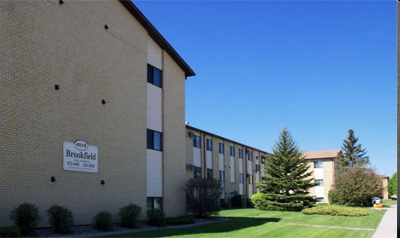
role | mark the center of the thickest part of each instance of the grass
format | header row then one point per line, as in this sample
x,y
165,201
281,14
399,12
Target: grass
x,y
256,223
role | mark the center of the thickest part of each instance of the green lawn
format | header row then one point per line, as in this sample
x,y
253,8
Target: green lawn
x,y
255,223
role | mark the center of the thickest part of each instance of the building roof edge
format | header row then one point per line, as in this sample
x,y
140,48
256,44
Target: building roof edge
x,y
157,37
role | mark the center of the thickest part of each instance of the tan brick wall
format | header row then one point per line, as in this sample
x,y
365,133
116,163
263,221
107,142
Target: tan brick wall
x,y
44,43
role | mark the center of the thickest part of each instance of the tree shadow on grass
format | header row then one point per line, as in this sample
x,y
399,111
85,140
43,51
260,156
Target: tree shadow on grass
x,y
228,224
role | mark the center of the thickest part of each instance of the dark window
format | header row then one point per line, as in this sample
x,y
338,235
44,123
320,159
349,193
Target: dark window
x,y
222,175
241,178
209,173
154,75
197,172
155,203
257,168
209,144
154,140
221,148
232,150
318,164
240,153
319,182
196,141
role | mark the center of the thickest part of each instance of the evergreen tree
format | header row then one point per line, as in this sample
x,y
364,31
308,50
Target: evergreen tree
x,y
352,153
392,186
287,179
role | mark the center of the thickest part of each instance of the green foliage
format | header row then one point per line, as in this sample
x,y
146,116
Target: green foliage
x,y
60,218
288,177
26,217
156,217
181,220
12,231
392,186
352,153
332,197
356,185
102,221
333,210
203,195
130,215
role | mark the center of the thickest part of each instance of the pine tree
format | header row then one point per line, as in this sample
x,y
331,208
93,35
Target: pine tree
x,y
287,179
352,153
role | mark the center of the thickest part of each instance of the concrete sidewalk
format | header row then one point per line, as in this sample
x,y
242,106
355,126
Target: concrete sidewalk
x,y
388,226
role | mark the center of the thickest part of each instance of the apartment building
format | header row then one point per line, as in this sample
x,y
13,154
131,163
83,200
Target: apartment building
x,y
239,167
322,163
92,102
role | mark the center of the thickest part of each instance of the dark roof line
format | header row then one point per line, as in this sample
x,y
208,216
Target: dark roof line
x,y
157,37
226,139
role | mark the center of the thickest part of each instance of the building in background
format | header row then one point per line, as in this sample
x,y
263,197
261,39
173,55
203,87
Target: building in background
x,y
92,102
239,167
323,167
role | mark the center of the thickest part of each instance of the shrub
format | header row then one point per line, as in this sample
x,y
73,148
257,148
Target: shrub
x,y
181,220
332,197
26,217
333,210
203,196
60,218
130,215
258,200
156,217
12,231
102,221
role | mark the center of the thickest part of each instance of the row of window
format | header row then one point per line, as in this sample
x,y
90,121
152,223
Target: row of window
x,y
209,147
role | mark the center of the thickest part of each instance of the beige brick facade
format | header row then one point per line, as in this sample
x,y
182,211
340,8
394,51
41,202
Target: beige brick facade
x,y
93,51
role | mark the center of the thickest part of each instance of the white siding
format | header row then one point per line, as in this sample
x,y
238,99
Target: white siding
x,y
196,157
232,169
319,191
154,107
154,173
209,159
221,162
318,173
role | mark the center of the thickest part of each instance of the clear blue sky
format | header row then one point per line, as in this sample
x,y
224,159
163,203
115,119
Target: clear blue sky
x,y
317,68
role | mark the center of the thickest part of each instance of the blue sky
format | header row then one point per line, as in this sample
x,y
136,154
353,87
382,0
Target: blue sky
x,y
318,68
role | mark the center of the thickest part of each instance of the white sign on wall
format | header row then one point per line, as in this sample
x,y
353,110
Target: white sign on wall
x,y
79,156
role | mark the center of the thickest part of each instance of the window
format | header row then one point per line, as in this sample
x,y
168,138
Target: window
x,y
320,182
319,199
209,173
318,164
154,140
257,168
241,178
221,148
154,203
196,141
209,144
154,76
197,172
249,154
240,153
222,175
232,150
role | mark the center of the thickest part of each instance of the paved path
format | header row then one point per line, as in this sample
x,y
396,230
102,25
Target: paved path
x,y
388,226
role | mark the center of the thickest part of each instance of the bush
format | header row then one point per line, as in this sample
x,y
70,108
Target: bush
x,y
102,221
203,196
12,231
60,218
332,197
333,210
181,220
26,217
258,200
130,215
156,217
